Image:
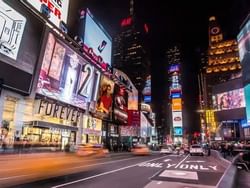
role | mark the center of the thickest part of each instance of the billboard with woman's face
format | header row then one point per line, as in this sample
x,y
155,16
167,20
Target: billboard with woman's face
x,y
66,76
121,104
105,96
229,100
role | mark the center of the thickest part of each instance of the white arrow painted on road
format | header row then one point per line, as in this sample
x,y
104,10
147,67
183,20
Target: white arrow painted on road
x,y
194,161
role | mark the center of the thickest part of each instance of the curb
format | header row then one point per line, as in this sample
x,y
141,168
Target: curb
x,y
228,179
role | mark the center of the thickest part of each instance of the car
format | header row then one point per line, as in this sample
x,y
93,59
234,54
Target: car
x,y
196,150
95,150
167,149
141,149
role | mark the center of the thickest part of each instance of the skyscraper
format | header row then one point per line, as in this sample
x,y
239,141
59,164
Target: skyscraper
x,y
223,59
130,52
173,56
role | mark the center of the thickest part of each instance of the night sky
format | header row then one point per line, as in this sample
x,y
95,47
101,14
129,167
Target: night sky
x,y
174,22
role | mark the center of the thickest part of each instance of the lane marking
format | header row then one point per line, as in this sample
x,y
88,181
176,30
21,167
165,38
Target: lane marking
x,y
166,160
105,173
179,174
181,162
195,161
12,177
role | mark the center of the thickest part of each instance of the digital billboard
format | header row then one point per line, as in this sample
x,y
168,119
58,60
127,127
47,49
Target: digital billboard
x,y
176,104
147,89
120,104
97,43
244,51
66,76
178,131
105,95
177,119
12,25
122,78
174,68
229,100
56,10
247,99
129,131
20,43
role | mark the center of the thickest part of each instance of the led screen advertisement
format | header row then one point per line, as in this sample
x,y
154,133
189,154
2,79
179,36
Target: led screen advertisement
x,y
178,131
120,104
12,26
229,100
20,42
97,43
65,76
176,104
147,89
247,98
105,96
177,119
129,131
123,79
244,51
56,10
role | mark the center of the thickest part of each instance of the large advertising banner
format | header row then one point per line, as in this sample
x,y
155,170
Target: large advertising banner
x,y
20,43
129,131
247,97
229,100
121,104
56,10
105,96
66,76
122,78
244,52
177,119
133,118
176,104
12,26
97,43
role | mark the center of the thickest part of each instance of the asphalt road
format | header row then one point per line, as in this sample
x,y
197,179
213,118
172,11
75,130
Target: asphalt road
x,y
123,171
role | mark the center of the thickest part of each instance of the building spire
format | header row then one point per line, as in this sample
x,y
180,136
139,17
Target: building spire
x,y
131,9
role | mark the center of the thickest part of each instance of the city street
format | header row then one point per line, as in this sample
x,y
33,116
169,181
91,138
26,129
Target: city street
x,y
124,170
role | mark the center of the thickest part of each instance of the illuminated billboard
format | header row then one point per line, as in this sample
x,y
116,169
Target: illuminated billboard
x,y
247,98
229,100
121,78
105,95
97,43
55,10
174,68
20,44
120,104
177,119
66,76
178,131
176,104
244,51
12,26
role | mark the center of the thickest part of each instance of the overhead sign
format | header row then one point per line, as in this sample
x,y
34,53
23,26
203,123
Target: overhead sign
x,y
55,10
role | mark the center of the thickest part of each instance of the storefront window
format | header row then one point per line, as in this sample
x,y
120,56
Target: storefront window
x,y
9,108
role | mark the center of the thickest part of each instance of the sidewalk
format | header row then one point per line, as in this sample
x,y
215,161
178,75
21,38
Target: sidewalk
x,y
243,177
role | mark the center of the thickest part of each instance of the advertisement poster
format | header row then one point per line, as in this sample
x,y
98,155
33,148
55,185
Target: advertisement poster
x,y
129,131
176,104
178,131
56,11
244,52
105,96
121,104
229,100
177,119
12,25
63,75
96,40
